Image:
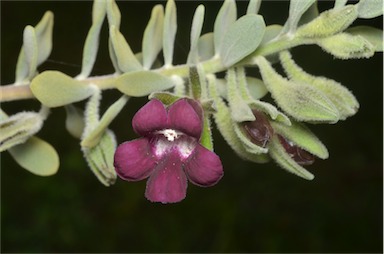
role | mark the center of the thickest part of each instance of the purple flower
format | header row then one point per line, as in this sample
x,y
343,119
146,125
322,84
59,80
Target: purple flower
x,y
169,152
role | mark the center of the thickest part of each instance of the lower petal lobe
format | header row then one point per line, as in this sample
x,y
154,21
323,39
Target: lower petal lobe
x,y
134,160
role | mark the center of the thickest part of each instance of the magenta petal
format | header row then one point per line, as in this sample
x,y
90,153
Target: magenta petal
x,y
168,183
134,160
151,117
183,117
204,167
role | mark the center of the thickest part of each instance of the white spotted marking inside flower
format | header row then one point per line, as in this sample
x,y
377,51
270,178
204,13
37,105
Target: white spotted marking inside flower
x,y
172,139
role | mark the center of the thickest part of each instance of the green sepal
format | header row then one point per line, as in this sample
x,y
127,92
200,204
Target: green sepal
x,y
206,139
18,128
240,111
206,48
300,135
369,9
74,121
36,156
165,97
371,34
126,60
340,96
300,100
270,110
93,137
241,39
329,22
227,16
347,46
55,89
278,153
197,25
169,33
91,45
142,83
100,158
226,126
153,37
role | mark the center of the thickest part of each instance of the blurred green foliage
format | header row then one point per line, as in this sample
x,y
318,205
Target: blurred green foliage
x,y
254,208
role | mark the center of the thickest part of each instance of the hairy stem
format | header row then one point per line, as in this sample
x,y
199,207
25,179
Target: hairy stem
x,y
11,92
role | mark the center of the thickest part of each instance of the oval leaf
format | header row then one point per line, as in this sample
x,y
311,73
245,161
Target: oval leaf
x,y
143,83
153,36
169,34
226,17
36,156
197,25
206,48
242,38
55,89
368,9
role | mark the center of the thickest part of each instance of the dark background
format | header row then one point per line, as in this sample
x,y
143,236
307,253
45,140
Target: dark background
x,y
254,208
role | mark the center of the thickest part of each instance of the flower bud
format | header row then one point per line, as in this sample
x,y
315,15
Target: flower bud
x,y
260,130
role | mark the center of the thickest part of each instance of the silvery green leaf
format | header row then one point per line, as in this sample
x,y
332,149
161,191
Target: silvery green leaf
x,y
300,135
27,61
296,10
38,41
169,33
368,9
126,60
227,16
142,83
153,36
18,128
226,126
278,153
93,137
55,89
240,111
340,3
74,122
113,13
36,156
271,32
113,57
310,14
329,22
256,88
253,6
300,100
241,38
206,49
340,96
100,158
246,142
91,45
44,37
197,25
371,34
165,97
347,46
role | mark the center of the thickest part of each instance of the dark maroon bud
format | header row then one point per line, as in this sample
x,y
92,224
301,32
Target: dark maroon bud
x,y
301,156
260,131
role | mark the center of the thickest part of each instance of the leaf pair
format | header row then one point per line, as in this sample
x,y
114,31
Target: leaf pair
x,y
30,152
37,46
